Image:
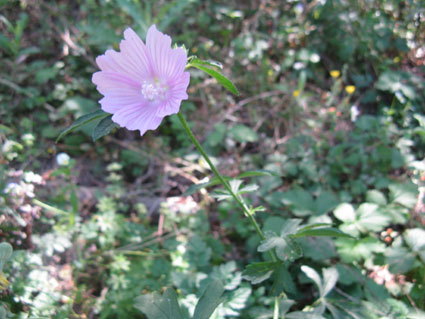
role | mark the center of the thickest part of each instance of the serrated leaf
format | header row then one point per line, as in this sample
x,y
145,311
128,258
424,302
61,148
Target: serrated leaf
x,y
156,307
83,120
103,128
345,212
404,194
328,231
224,81
258,272
209,300
415,239
375,196
282,281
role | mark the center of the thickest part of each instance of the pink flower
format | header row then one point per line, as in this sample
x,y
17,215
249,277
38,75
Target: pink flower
x,y
143,83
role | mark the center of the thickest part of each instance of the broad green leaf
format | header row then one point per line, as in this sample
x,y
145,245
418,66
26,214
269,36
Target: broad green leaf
x,y
404,194
243,133
299,201
6,251
103,128
415,239
209,300
355,250
345,212
258,272
83,120
225,82
399,260
377,197
371,218
318,248
155,306
325,202
328,231
282,281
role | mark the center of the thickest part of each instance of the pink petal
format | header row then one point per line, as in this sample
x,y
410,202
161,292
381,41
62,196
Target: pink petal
x,y
108,80
117,62
137,117
178,89
135,51
176,95
167,63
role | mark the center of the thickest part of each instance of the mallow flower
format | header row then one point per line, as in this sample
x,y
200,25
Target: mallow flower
x,y
142,83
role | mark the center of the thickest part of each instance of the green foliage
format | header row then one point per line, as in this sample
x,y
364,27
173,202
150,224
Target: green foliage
x,y
335,179
225,82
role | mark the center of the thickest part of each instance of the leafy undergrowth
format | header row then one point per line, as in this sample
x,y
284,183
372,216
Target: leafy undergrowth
x,y
330,120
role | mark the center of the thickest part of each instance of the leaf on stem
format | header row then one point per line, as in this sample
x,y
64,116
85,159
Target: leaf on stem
x,y
224,81
83,120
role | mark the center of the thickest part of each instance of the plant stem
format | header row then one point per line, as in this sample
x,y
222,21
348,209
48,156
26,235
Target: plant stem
x,y
276,308
226,185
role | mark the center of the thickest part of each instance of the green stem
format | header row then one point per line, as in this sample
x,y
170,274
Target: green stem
x,y
276,308
226,185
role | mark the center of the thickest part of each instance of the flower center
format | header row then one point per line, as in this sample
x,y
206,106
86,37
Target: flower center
x,y
153,90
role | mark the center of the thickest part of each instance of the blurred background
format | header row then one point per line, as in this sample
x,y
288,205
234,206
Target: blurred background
x,y
332,100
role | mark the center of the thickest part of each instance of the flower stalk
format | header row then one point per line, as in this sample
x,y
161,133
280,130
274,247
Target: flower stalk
x,y
247,212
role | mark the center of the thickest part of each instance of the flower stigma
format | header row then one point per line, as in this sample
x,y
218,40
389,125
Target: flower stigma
x,y
153,90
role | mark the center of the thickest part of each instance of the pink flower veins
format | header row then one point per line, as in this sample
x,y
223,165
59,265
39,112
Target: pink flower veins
x,y
142,84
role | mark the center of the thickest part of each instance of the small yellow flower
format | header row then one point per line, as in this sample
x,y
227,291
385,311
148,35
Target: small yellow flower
x,y
335,74
296,93
396,59
350,89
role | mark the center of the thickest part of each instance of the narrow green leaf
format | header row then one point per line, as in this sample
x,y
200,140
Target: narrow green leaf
x,y
313,226
81,121
208,63
260,172
331,232
225,82
103,128
196,187
209,300
258,272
